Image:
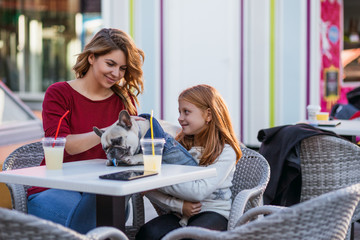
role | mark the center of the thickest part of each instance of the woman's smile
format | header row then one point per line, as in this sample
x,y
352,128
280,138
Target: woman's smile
x,y
111,80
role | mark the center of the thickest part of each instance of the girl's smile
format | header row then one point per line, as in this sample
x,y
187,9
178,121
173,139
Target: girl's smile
x,y
191,118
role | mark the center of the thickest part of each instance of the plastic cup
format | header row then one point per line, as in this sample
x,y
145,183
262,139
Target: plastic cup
x,y
322,116
312,111
152,153
54,152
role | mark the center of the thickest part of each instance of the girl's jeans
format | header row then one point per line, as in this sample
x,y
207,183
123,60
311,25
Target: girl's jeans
x,y
174,152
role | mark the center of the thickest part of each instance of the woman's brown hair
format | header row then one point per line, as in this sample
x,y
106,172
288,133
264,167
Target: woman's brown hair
x,y
218,132
105,41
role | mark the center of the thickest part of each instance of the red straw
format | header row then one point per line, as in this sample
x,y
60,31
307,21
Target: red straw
x,y
58,127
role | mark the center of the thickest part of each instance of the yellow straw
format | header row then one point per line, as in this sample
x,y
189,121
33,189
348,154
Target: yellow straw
x,y
152,133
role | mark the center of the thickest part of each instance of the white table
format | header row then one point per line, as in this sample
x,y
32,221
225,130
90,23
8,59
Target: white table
x,y
83,176
349,129
346,128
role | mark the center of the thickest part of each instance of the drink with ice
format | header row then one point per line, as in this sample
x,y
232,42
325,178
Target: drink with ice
x,y
152,152
54,152
54,157
152,163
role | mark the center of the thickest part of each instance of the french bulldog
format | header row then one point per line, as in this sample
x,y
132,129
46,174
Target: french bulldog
x,y
121,141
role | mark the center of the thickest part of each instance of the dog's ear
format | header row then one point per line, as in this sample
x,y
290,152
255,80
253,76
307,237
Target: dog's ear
x,y
124,120
98,132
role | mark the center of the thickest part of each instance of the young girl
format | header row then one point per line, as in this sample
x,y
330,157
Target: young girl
x,y
208,134
108,79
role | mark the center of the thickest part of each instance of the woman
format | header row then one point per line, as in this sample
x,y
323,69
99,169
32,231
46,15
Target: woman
x,y
108,71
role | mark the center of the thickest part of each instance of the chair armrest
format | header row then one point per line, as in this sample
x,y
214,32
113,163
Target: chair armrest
x,y
255,212
138,210
138,215
239,204
193,233
106,233
18,197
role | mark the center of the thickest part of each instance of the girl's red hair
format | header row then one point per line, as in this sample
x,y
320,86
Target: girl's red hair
x,y
219,130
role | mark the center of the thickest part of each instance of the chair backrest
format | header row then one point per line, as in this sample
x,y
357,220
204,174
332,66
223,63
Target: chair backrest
x,y
325,217
328,163
17,225
252,171
29,155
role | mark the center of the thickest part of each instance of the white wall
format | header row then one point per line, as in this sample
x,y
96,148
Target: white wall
x,y
291,61
289,64
147,37
256,69
115,14
201,46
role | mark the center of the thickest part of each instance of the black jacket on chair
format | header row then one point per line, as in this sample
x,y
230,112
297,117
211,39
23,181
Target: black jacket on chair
x,y
280,147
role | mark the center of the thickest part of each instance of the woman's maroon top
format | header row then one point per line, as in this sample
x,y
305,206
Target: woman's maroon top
x,y
83,116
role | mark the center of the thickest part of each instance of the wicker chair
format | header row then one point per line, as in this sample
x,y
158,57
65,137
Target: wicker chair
x,y
328,163
31,155
250,179
324,217
28,155
18,225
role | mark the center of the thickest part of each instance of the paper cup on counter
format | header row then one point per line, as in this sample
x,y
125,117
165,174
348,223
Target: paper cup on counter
x,y
312,110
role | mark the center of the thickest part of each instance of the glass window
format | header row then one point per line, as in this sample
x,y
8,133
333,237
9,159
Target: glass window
x,y
39,40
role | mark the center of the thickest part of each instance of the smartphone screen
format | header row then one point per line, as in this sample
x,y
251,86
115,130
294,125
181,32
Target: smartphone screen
x,y
127,175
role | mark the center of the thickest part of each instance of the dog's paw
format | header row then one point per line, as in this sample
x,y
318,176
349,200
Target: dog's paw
x,y
109,163
133,160
129,161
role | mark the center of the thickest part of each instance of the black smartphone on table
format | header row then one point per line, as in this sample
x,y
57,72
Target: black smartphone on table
x,y
128,175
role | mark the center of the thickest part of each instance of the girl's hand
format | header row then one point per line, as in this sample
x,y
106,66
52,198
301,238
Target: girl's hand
x,y
191,208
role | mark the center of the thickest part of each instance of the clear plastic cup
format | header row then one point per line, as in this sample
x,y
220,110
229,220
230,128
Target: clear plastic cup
x,y
312,111
152,152
54,152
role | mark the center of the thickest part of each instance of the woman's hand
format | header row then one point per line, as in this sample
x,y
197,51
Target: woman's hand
x,y
191,208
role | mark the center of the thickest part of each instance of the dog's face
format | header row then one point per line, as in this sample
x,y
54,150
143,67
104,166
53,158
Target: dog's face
x,y
120,140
